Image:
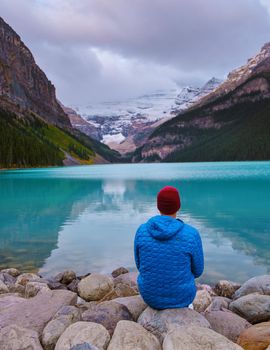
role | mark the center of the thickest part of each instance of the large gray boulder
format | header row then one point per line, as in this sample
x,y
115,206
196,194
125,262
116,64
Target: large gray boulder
x,y
134,304
160,322
17,338
60,322
130,335
259,284
254,308
95,287
84,332
36,312
227,323
107,313
197,338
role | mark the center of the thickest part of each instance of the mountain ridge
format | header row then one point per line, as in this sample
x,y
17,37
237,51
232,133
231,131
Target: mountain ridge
x,y
125,125
240,103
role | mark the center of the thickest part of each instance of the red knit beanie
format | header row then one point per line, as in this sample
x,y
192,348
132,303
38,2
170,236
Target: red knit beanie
x,y
168,200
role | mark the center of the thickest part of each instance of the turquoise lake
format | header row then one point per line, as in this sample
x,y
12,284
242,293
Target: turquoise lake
x,y
85,218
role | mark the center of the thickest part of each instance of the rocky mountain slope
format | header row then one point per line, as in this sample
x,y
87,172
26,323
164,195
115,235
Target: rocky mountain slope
x,y
125,125
23,85
34,129
230,123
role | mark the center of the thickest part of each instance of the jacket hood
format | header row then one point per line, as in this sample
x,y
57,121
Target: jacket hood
x,y
163,227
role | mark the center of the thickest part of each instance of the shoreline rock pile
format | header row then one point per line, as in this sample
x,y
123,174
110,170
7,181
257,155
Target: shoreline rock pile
x,y
98,312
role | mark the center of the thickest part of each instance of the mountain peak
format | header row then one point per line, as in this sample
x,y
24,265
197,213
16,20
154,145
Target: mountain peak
x,y
266,47
214,80
255,66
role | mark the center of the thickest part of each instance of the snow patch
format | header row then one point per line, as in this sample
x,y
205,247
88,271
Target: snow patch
x,y
113,120
116,138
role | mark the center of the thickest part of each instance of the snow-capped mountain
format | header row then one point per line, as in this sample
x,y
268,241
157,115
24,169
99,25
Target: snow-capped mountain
x,y
124,125
230,123
189,95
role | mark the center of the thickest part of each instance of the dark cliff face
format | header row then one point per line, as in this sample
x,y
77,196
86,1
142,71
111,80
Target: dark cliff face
x,y
230,123
24,86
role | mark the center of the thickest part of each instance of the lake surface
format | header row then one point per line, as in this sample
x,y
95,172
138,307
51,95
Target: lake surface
x,y
85,218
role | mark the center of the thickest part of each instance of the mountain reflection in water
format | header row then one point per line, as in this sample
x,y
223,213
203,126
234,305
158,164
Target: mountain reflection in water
x,y
85,218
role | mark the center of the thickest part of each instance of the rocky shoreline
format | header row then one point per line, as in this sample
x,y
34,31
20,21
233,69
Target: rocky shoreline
x,y
96,312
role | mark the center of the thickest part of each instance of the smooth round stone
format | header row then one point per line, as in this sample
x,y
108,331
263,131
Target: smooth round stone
x,y
256,337
62,319
107,313
227,323
259,284
84,332
197,338
130,335
95,287
254,308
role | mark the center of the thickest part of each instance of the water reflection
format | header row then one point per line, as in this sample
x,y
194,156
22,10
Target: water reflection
x,y
51,222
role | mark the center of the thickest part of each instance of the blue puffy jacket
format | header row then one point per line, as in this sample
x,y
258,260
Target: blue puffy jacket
x,y
169,256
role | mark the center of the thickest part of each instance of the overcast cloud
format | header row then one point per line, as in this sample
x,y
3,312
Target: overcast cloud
x,y
96,50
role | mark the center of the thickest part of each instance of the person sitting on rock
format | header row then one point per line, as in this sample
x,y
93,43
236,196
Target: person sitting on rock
x,y
169,256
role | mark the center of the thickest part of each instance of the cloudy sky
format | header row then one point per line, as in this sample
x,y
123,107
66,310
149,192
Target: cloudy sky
x,y
99,50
